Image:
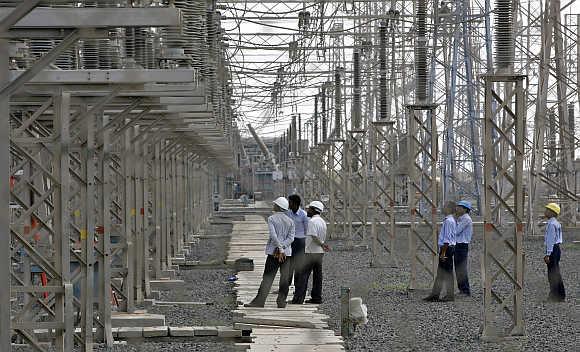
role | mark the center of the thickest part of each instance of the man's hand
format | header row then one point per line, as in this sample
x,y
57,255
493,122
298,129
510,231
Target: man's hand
x,y
279,254
547,259
326,247
442,257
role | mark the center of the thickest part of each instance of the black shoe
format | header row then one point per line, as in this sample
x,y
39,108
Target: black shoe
x,y
431,298
465,293
281,305
311,301
253,305
448,299
295,302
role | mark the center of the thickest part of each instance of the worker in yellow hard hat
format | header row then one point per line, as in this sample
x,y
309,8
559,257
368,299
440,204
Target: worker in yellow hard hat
x,y
552,240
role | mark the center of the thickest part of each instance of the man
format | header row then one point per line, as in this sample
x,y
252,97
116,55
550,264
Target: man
x,y
446,244
463,235
552,240
314,251
300,219
278,249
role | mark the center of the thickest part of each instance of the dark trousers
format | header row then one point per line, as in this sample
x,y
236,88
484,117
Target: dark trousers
x,y
557,290
296,261
445,274
460,260
312,263
270,270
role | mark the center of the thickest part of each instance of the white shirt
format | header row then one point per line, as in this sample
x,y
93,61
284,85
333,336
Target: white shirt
x,y
316,228
464,229
553,235
281,234
447,233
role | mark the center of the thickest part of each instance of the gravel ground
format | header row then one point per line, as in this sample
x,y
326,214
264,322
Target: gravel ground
x,y
201,285
402,321
204,285
209,250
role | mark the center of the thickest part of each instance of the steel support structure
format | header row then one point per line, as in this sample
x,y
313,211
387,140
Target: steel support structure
x,y
335,164
422,149
381,181
109,178
356,202
503,260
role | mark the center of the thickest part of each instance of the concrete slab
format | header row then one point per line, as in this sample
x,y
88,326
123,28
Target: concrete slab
x,y
178,260
155,331
130,332
250,327
181,331
121,319
205,330
228,332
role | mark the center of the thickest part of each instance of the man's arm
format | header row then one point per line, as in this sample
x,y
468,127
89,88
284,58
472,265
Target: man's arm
x,y
550,238
290,238
272,233
462,224
445,230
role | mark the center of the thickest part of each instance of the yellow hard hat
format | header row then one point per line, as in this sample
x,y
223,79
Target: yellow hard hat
x,y
553,207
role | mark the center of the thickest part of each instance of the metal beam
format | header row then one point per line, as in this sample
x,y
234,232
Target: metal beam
x,y
25,76
109,76
16,14
97,17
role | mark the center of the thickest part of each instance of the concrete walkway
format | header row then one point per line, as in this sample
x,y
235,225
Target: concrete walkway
x,y
294,328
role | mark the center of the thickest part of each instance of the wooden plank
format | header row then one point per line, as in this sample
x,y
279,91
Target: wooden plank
x,y
294,328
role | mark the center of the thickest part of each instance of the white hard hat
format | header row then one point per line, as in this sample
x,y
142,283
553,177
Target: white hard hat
x,y
282,203
316,205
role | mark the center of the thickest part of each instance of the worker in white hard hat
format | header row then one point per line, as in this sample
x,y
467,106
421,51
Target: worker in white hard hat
x,y
315,247
552,240
463,234
281,234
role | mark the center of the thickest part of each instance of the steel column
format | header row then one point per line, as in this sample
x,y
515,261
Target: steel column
x,y
504,128
422,149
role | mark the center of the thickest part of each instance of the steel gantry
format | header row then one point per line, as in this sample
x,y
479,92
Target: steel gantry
x,y
381,181
111,170
504,129
422,171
